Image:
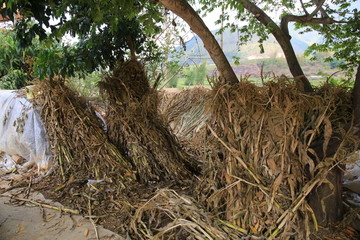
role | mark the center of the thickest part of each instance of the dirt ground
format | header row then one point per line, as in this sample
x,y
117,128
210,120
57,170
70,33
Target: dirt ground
x,y
21,220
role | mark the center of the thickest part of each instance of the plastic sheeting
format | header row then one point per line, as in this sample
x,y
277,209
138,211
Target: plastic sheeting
x,y
22,132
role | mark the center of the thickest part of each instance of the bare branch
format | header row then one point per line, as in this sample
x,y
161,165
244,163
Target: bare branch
x,y
281,34
304,19
303,7
260,15
323,13
319,5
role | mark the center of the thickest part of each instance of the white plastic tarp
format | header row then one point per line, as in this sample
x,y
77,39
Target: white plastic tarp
x,y
22,132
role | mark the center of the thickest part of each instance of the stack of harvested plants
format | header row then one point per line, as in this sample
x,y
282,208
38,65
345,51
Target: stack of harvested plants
x,y
259,173
78,141
135,126
255,144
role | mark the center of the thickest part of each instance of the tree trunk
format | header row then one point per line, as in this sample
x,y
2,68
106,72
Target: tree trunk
x,y
292,61
356,100
283,39
189,15
326,200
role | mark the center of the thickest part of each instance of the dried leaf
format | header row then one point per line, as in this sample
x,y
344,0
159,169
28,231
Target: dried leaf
x,y
86,232
327,133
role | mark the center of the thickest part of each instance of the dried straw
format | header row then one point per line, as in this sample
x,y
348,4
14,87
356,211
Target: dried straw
x,y
78,142
185,111
136,127
255,144
261,137
169,215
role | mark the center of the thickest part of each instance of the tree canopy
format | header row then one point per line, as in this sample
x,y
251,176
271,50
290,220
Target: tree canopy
x,y
107,33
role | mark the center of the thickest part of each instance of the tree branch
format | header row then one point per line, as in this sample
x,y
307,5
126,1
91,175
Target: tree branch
x,y
317,9
261,16
183,9
304,19
303,7
323,12
282,36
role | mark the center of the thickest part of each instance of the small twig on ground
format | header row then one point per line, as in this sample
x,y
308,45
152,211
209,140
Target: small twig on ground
x,y
28,189
42,204
3,221
43,215
95,229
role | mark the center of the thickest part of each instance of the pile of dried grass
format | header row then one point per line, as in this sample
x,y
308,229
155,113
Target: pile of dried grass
x,y
136,127
255,144
85,152
186,114
79,144
185,111
259,172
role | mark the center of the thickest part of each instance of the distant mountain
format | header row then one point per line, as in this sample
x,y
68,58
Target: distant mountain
x,y
197,53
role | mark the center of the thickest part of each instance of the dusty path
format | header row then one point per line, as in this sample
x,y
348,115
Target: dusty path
x,y
29,222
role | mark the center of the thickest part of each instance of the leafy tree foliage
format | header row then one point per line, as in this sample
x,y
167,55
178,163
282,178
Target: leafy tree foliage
x,y
15,64
19,65
340,17
108,31
343,40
